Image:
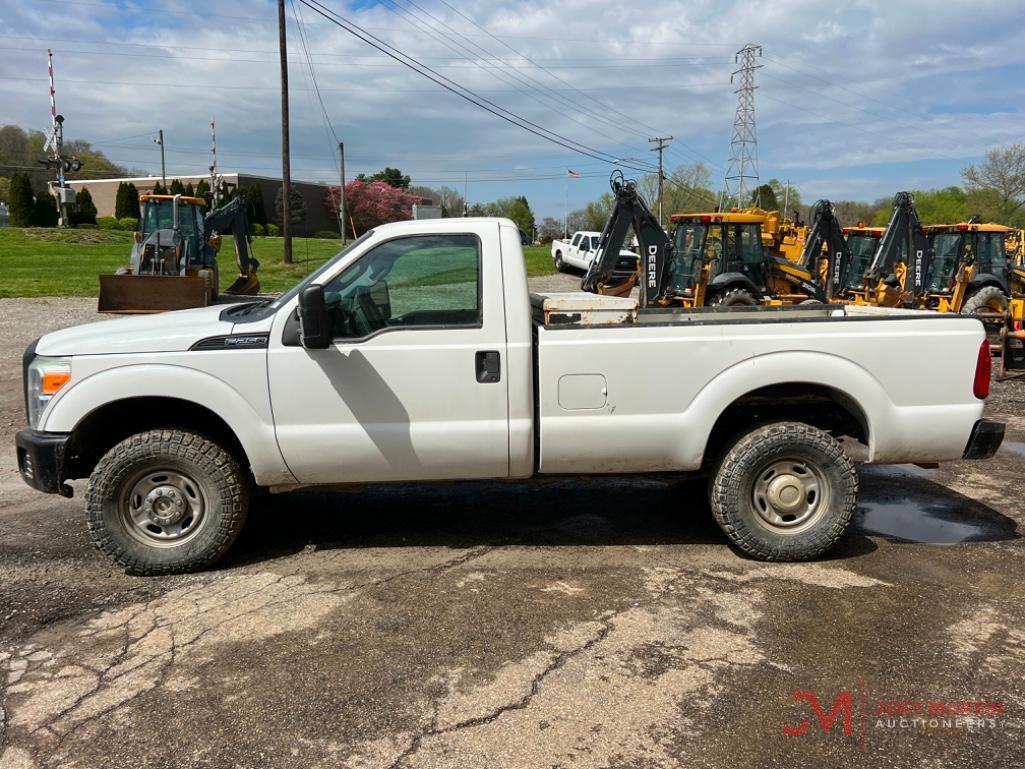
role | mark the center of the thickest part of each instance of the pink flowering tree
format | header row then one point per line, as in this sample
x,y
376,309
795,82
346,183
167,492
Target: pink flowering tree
x,y
370,203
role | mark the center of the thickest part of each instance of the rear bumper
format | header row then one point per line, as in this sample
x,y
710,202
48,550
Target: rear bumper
x,y
41,460
986,437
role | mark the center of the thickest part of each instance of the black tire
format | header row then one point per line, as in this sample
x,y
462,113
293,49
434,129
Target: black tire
x,y
746,514
988,299
734,297
560,265
200,479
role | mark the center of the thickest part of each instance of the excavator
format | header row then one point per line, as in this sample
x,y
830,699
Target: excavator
x,y
174,258
978,254
716,258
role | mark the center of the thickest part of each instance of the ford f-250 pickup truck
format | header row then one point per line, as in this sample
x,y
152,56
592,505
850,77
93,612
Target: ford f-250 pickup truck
x,y
417,354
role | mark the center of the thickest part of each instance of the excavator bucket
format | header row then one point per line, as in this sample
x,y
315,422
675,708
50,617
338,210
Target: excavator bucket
x,y
244,285
131,294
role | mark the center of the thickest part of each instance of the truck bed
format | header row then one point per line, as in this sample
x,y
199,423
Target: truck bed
x,y
640,390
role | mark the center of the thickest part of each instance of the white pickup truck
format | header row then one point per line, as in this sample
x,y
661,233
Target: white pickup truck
x,y
417,354
579,252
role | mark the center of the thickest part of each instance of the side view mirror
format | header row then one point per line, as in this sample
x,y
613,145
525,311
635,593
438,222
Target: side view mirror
x,y
314,324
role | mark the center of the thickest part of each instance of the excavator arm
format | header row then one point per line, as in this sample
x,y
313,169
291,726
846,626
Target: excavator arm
x,y
904,242
825,241
607,273
233,216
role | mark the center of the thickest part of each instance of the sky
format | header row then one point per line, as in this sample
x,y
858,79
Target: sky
x,y
855,100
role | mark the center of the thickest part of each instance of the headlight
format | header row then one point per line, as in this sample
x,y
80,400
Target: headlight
x,y
45,377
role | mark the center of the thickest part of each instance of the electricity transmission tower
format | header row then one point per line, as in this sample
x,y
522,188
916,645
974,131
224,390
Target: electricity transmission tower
x,y
742,169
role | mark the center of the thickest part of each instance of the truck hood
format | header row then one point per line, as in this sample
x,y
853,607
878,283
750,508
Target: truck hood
x,y
161,332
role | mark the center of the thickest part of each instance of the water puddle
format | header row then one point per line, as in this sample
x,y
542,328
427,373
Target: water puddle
x,y
1015,447
908,520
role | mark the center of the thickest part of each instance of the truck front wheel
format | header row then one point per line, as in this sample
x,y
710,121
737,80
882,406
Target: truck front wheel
x,y
166,501
785,492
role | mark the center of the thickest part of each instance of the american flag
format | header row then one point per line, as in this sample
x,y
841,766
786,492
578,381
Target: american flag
x,y
572,174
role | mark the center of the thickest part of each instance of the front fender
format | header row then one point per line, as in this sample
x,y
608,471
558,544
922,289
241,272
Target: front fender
x,y
256,434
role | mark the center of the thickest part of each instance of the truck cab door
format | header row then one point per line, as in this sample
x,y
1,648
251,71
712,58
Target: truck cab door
x,y
414,383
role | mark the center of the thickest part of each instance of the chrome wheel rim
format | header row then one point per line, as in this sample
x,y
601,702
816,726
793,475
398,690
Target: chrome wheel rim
x,y
163,508
789,494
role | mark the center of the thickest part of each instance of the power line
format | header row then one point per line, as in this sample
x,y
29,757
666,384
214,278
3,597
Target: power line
x,y
532,84
456,88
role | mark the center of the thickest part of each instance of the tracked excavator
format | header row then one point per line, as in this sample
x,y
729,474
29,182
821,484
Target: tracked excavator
x,y
174,259
716,258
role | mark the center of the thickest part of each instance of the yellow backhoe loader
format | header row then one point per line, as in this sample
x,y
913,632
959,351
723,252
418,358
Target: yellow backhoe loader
x,y
174,258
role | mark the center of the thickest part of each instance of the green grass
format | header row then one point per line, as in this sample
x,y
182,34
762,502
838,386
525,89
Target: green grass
x,y
53,262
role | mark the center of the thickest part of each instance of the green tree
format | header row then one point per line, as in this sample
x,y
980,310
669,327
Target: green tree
x,y
21,202
764,197
392,176
296,206
1003,172
44,212
787,196
254,198
189,190
159,189
126,201
596,213
177,188
85,209
5,188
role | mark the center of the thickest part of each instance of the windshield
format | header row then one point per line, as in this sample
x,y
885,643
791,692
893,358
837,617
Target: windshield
x,y
946,252
159,215
313,276
690,242
862,248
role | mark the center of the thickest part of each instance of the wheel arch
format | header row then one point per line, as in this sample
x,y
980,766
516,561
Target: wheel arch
x,y
725,281
831,393
105,407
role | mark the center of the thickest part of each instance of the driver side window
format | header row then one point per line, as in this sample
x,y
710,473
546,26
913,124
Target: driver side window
x,y
416,281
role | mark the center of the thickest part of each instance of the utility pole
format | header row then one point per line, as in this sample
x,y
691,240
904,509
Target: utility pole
x,y
286,171
341,190
163,168
661,141
742,169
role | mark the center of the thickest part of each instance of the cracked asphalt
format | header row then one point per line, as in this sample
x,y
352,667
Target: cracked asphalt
x,y
585,623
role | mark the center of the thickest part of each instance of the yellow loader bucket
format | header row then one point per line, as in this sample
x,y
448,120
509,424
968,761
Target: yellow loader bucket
x,y
132,294
244,285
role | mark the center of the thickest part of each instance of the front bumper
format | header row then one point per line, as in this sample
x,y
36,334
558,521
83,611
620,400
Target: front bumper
x,y
41,460
986,437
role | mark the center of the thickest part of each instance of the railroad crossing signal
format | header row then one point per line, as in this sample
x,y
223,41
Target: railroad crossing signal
x,y
63,164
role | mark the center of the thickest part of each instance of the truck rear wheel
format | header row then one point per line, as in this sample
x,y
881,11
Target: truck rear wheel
x,y
785,491
559,264
166,501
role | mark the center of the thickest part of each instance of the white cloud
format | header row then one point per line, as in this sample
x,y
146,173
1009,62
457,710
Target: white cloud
x,y
841,89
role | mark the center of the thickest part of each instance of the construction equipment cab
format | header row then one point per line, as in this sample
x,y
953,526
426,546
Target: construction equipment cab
x,y
862,243
721,259
970,271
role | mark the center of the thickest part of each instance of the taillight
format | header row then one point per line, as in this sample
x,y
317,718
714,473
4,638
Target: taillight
x,y
982,371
